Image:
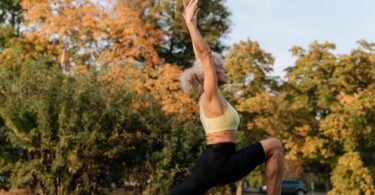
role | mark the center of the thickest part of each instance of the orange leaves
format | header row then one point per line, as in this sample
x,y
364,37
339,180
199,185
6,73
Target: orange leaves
x,y
36,9
162,84
133,38
166,89
7,54
91,34
80,68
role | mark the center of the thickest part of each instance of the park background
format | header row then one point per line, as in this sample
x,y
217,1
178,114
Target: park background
x,y
90,96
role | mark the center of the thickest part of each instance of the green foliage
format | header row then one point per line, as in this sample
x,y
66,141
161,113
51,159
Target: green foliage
x,y
10,18
71,134
80,131
256,178
173,163
6,33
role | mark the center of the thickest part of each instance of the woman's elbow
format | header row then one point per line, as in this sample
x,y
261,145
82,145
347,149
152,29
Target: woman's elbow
x,y
206,53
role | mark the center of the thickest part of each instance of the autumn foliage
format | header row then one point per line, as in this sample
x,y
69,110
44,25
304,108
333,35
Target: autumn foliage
x,y
90,98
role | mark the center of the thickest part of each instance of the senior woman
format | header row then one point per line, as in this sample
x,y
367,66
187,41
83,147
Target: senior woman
x,y
220,163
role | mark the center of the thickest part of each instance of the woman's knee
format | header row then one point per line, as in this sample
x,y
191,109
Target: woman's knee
x,y
272,146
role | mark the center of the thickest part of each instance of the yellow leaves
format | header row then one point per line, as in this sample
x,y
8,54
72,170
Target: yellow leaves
x,y
333,126
293,147
304,130
247,65
297,51
261,103
351,177
315,148
357,103
262,107
307,145
300,102
349,121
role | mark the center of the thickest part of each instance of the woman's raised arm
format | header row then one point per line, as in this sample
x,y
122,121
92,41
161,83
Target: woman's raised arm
x,y
201,50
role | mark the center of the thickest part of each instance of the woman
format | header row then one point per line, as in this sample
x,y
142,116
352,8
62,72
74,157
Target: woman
x,y
220,163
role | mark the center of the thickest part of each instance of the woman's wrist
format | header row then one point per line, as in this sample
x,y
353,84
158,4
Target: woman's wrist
x,y
190,24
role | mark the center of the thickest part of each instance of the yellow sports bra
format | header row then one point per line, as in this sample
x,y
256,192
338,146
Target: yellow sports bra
x,y
228,121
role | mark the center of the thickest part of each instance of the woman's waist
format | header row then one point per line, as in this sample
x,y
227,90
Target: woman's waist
x,y
228,136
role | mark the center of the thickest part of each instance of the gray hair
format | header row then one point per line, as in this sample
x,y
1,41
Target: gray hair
x,y
192,78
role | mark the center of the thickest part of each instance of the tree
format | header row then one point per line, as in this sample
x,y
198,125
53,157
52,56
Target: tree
x,y
65,144
325,108
62,142
170,160
84,34
176,47
304,100
133,96
250,88
10,20
350,176
10,14
252,91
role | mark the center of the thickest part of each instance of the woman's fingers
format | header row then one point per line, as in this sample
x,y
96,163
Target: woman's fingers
x,y
191,10
194,3
190,4
196,13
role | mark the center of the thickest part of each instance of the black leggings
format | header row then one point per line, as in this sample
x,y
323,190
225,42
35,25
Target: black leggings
x,y
221,164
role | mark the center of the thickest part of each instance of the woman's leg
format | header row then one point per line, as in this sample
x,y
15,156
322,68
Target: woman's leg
x,y
195,183
188,187
240,163
274,165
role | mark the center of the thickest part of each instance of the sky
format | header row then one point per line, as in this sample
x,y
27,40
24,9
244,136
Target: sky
x,y
278,25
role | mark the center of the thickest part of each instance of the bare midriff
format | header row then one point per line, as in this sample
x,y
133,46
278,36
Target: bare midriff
x,y
221,137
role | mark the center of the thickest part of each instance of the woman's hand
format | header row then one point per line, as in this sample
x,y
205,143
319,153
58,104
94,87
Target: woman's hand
x,y
190,11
